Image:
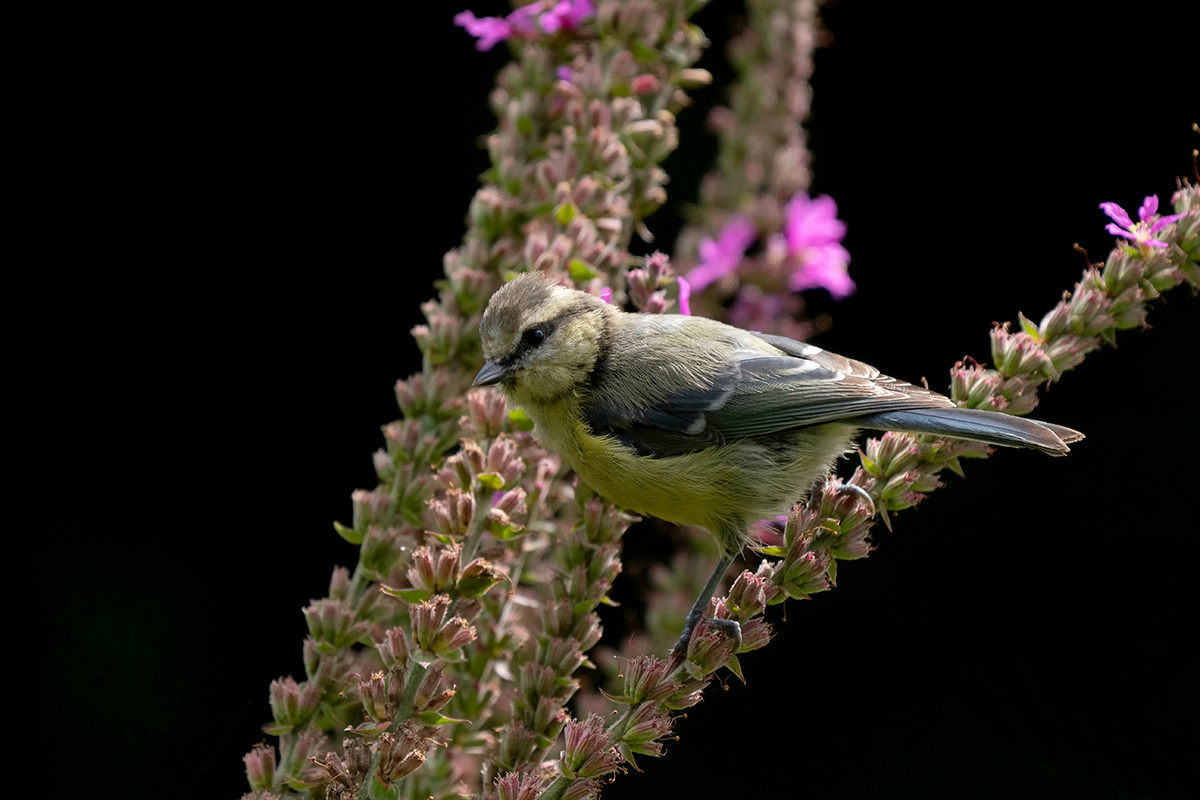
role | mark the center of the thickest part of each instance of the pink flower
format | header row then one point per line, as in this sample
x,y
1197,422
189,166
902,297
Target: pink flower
x,y
813,234
685,296
1141,232
567,14
526,22
489,30
722,256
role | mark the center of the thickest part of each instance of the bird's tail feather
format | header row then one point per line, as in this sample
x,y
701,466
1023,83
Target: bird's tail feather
x,y
991,427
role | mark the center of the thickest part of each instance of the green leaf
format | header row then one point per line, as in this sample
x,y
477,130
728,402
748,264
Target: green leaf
x,y
506,532
734,666
565,213
407,595
1028,326
490,480
349,534
434,718
383,791
277,730
520,420
371,728
579,270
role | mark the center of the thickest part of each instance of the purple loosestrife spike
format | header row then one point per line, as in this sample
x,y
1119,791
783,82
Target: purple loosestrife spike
x,y
1140,232
813,234
721,256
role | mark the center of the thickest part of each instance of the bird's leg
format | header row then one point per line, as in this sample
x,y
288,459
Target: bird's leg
x,y
694,616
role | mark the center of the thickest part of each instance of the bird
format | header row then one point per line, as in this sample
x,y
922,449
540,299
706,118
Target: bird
x,y
700,423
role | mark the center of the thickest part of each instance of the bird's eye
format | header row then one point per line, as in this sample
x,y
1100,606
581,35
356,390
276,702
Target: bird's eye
x,y
534,336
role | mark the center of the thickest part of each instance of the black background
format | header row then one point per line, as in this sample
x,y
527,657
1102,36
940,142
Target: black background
x,y
232,220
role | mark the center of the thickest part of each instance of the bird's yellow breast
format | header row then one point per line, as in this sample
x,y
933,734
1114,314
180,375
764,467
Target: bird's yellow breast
x,y
721,488
691,489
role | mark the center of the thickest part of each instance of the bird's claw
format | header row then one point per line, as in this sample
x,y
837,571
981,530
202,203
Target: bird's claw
x,y
731,627
860,492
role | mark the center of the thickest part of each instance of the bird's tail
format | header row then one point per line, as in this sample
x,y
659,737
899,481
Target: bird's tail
x,y
991,427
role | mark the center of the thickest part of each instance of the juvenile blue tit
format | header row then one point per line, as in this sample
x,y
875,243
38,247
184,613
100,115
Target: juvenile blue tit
x,y
697,422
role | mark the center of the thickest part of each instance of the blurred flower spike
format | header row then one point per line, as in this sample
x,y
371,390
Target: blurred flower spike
x,y
1140,232
527,22
813,238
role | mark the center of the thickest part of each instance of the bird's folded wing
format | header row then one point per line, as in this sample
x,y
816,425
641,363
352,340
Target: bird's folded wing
x,y
756,395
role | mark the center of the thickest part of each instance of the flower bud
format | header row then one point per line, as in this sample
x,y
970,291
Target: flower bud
x,y
755,634
518,786
645,680
589,751
393,650
434,571
373,693
487,411
292,703
561,655
502,460
478,578
370,508
434,692
401,753
260,767
709,649
331,623
455,634
747,596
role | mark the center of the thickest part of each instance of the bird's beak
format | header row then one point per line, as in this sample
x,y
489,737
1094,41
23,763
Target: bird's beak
x,y
492,372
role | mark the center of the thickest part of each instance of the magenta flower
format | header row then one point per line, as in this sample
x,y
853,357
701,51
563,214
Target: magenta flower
x,y
526,22
813,234
567,14
722,256
488,30
1142,232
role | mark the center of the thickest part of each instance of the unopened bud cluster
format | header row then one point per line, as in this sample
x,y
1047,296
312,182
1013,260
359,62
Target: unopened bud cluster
x,y
648,286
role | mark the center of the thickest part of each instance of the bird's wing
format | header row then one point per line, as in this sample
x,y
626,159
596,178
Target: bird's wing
x,y
757,391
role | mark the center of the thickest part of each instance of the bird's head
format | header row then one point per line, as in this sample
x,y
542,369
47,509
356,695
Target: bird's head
x,y
541,340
